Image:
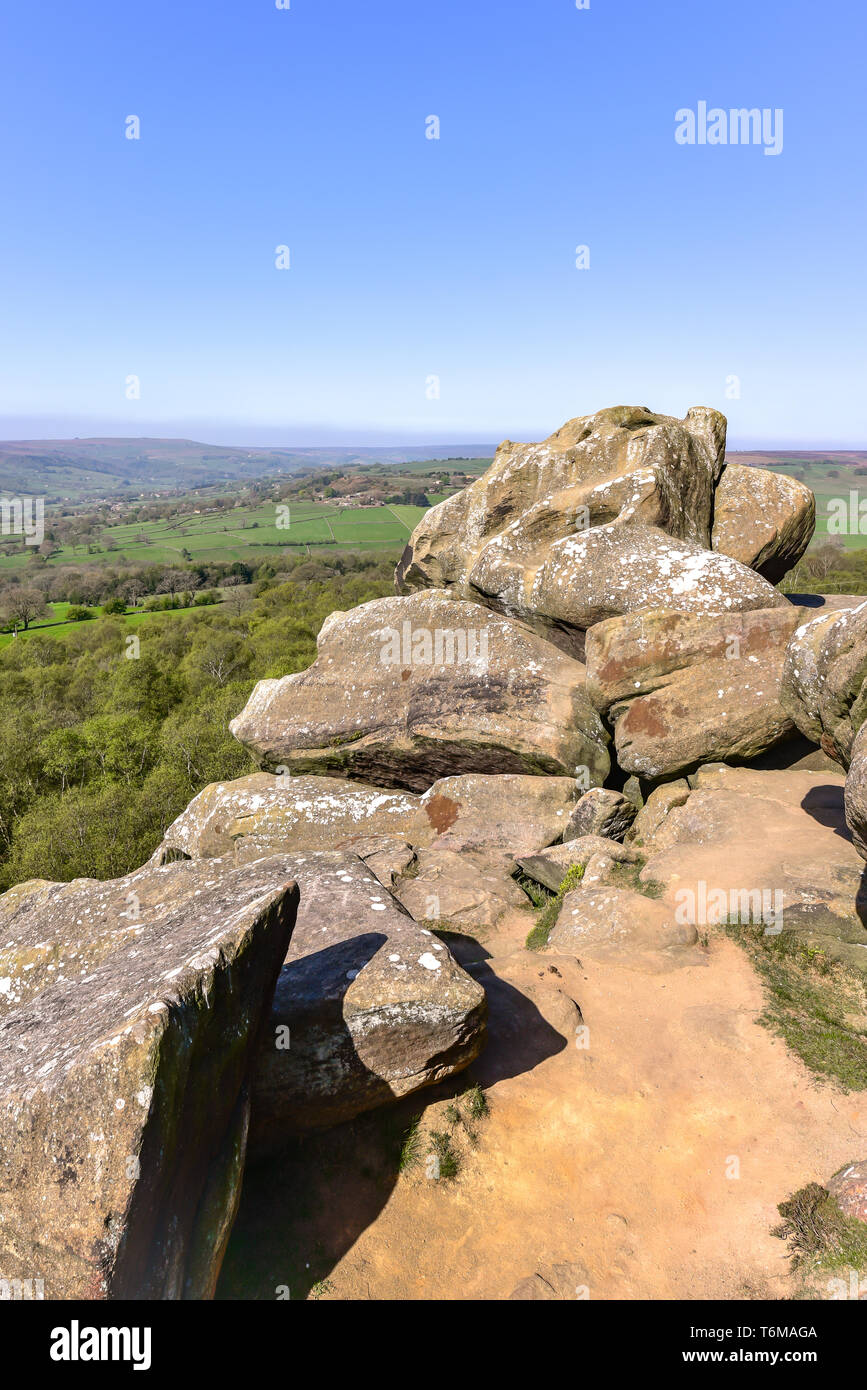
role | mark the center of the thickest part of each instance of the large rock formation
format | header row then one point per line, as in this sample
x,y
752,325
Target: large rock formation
x,y
369,1006
612,514
683,689
405,691
130,1020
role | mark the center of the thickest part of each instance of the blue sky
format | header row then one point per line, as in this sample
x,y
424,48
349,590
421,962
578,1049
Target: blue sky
x,y
414,258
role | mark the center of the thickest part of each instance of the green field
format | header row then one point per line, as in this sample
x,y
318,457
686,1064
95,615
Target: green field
x,y
245,534
56,624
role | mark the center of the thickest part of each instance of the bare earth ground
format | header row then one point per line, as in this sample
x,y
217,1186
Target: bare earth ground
x,y
648,1164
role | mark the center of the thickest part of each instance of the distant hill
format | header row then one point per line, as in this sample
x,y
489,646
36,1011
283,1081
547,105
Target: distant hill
x,y
79,469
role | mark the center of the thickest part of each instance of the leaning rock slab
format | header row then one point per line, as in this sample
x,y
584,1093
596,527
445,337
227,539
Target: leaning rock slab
x,y
407,690
551,866
130,1014
368,1007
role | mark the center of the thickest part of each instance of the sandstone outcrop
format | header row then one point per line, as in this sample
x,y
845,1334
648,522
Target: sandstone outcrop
x,y
130,1017
613,514
766,520
407,690
262,814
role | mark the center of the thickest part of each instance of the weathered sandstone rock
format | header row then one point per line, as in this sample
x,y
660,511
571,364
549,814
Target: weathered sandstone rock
x,y
766,520
130,1015
407,690
683,688
612,514
262,814
550,866
855,796
600,811
824,684
461,888
766,846
616,923
368,1006
849,1186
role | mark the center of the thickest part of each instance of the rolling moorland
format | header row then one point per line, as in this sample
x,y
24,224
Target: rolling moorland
x,y
556,911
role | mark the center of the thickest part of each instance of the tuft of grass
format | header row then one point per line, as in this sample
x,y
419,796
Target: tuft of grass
x,y
813,1002
628,876
819,1233
441,1149
538,937
410,1149
477,1102
453,1115
536,892
319,1289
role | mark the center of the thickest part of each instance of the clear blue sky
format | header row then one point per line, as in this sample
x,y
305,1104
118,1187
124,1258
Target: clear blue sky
x,y
413,257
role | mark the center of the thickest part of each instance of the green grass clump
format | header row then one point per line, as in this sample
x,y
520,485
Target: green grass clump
x,y
815,1004
819,1234
537,939
447,1161
624,875
410,1149
477,1102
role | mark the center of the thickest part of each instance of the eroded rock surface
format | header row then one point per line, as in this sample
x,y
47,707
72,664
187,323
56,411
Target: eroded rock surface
x,y
130,1015
681,688
613,514
824,684
369,1006
407,690
766,520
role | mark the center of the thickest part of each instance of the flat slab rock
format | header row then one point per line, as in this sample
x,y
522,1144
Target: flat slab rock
x,y
263,814
618,924
748,842
407,690
369,1006
130,1017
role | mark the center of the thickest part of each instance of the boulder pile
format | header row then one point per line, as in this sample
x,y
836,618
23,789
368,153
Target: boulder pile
x,y
586,682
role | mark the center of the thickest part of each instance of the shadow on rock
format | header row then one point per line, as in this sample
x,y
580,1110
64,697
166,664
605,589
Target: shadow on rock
x,y
825,805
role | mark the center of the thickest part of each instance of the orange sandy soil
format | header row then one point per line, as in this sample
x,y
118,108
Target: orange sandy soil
x,y
648,1164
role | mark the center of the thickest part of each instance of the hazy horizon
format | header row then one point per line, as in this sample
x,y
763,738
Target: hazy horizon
x,y
332,224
